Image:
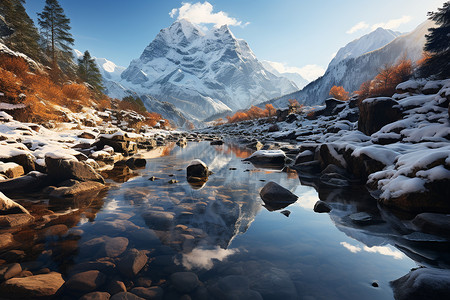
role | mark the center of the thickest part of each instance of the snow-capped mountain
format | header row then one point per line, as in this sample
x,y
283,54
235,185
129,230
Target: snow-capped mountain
x,y
352,72
295,77
369,42
202,73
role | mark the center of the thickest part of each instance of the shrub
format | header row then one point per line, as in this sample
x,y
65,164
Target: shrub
x,y
338,92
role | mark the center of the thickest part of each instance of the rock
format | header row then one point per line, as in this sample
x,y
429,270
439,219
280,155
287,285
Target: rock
x,y
134,163
86,281
285,212
335,180
31,182
423,283
304,156
9,271
274,128
11,169
60,170
96,296
329,154
8,206
115,246
197,168
276,157
322,207
182,142
363,218
55,230
153,293
276,197
104,266
44,285
15,220
216,143
120,143
172,181
255,145
76,189
282,114
115,287
185,282
126,296
377,112
87,135
133,261
6,240
433,223
24,160
311,168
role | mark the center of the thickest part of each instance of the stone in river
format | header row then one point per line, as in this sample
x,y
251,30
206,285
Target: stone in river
x,y
126,296
115,246
86,281
185,282
154,292
276,197
38,286
197,168
115,287
433,223
9,271
133,262
322,207
96,296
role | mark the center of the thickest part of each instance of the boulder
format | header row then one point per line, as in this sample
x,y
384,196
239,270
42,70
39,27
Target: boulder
x,y
216,143
133,262
76,188
9,271
96,296
154,292
86,281
197,168
8,206
304,156
276,157
136,162
376,113
276,197
6,240
185,282
120,143
423,283
322,207
126,296
60,169
182,142
158,220
87,135
24,160
15,220
333,107
37,286
11,170
433,223
115,287
31,182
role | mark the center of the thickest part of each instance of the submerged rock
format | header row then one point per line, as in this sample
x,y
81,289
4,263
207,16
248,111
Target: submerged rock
x,y
96,296
133,262
185,282
197,169
322,207
86,281
44,285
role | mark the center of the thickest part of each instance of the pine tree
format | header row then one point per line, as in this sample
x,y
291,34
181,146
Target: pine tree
x,y
438,45
89,72
25,36
55,27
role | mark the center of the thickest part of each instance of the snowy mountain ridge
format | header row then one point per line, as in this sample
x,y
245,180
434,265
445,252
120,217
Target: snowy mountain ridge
x,y
202,73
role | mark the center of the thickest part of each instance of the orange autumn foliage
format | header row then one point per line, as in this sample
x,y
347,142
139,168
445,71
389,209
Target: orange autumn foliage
x,y
338,92
252,113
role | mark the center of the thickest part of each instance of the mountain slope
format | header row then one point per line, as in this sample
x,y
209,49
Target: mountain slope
x,y
352,72
202,74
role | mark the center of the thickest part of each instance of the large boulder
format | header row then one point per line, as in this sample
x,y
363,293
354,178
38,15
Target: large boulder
x,y
75,188
61,169
433,223
377,112
197,169
119,142
185,282
37,286
133,262
276,197
86,281
8,206
11,169
24,160
423,283
275,157
30,182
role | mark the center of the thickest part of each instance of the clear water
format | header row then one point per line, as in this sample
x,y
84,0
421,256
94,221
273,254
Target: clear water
x,y
223,229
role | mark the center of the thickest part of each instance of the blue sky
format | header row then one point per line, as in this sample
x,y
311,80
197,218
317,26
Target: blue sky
x,y
299,33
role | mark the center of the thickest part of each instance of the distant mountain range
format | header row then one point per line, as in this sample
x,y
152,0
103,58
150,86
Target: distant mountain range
x,y
359,61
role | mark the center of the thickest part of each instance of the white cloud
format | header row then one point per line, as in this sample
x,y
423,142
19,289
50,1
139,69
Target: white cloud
x,y
350,247
360,26
202,13
393,24
311,72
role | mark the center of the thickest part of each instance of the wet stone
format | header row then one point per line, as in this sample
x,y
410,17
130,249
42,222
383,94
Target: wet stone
x,y
58,230
322,207
115,287
44,285
86,281
126,296
154,292
9,271
96,296
185,282
133,262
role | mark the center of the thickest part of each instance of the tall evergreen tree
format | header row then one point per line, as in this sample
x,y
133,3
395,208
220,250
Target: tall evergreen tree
x,y
89,72
438,45
55,27
25,36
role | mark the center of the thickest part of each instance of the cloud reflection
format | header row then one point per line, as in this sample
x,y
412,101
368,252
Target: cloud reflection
x,y
203,258
351,248
384,250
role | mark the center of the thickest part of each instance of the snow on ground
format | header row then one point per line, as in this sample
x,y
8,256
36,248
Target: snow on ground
x,y
417,150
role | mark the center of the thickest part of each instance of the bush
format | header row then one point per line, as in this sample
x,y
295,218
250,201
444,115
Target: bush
x,y
252,113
